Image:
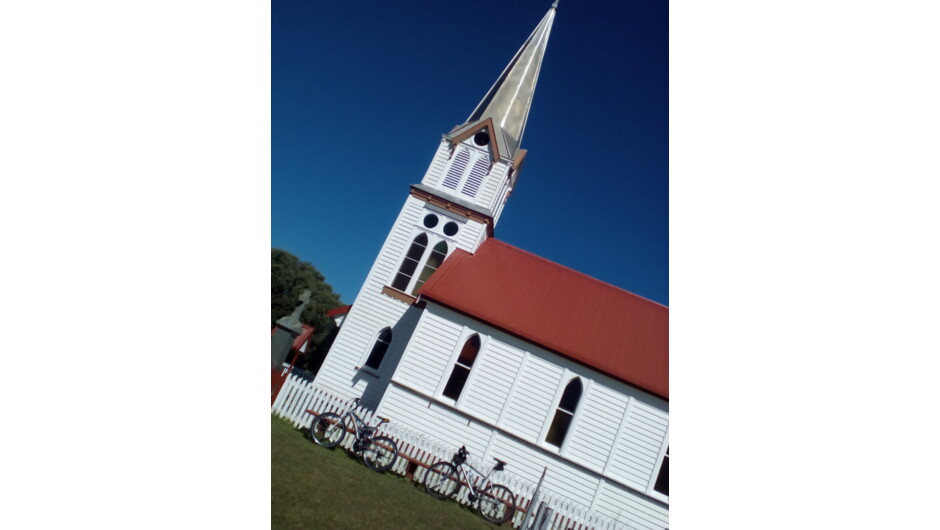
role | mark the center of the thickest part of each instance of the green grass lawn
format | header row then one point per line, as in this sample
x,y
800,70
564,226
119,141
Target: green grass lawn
x,y
313,487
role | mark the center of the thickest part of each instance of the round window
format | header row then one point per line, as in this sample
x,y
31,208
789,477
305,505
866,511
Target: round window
x,y
430,220
481,138
450,228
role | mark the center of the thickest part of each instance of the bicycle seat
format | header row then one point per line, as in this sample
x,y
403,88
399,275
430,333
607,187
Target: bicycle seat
x,y
500,465
384,420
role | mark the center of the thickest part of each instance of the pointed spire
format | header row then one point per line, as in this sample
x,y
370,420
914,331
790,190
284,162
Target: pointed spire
x,y
509,99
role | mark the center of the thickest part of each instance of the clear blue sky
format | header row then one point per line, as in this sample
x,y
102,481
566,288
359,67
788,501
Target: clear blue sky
x,y
363,90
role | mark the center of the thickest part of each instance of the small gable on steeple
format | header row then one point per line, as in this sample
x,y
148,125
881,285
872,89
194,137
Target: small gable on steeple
x,y
484,135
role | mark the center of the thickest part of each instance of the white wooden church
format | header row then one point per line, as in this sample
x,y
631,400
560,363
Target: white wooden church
x,y
472,341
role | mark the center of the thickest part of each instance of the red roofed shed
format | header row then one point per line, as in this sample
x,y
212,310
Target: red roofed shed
x,y
300,340
584,319
332,313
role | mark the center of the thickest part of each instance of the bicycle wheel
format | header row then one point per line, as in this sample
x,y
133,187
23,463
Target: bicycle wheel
x,y
380,454
442,480
327,429
497,504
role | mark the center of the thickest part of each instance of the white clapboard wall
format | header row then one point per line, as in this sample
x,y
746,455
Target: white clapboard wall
x,y
299,401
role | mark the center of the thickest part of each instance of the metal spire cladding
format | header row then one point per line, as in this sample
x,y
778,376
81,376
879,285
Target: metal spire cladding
x,y
509,99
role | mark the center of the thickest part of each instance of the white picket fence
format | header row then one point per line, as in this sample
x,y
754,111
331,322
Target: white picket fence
x,y
417,452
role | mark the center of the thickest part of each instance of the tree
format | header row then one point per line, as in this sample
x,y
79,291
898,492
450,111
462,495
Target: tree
x,y
289,278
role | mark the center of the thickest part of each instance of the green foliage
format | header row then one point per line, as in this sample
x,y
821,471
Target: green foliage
x,y
289,278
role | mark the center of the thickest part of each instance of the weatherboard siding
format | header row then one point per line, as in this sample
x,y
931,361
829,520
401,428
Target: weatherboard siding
x,y
600,413
500,202
428,354
435,172
371,311
396,246
505,408
489,186
637,452
453,428
618,502
561,478
434,420
532,400
618,432
468,238
488,391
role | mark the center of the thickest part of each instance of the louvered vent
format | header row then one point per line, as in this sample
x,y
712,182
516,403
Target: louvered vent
x,y
477,172
456,169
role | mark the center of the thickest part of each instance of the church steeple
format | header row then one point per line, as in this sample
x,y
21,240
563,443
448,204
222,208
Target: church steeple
x,y
455,206
477,163
509,99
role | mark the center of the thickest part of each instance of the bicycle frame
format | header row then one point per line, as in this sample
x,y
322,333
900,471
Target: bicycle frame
x,y
329,428
445,479
466,478
360,427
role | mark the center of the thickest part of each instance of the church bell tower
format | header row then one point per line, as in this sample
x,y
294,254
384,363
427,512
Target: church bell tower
x,y
456,205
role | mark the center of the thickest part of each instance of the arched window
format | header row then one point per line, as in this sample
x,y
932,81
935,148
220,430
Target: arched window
x,y
566,407
434,261
458,377
379,349
410,263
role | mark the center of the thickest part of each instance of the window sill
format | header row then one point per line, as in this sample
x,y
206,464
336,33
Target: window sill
x,y
448,401
658,496
367,371
401,296
550,448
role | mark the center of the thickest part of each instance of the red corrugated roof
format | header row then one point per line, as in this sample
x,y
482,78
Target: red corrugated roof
x,y
611,330
338,311
303,337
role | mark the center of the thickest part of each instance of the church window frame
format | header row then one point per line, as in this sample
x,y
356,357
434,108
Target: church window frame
x,y
562,418
434,260
411,262
660,472
567,375
412,266
454,386
383,339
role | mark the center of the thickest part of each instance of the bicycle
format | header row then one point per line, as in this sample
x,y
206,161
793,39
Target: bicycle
x,y
496,502
378,452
